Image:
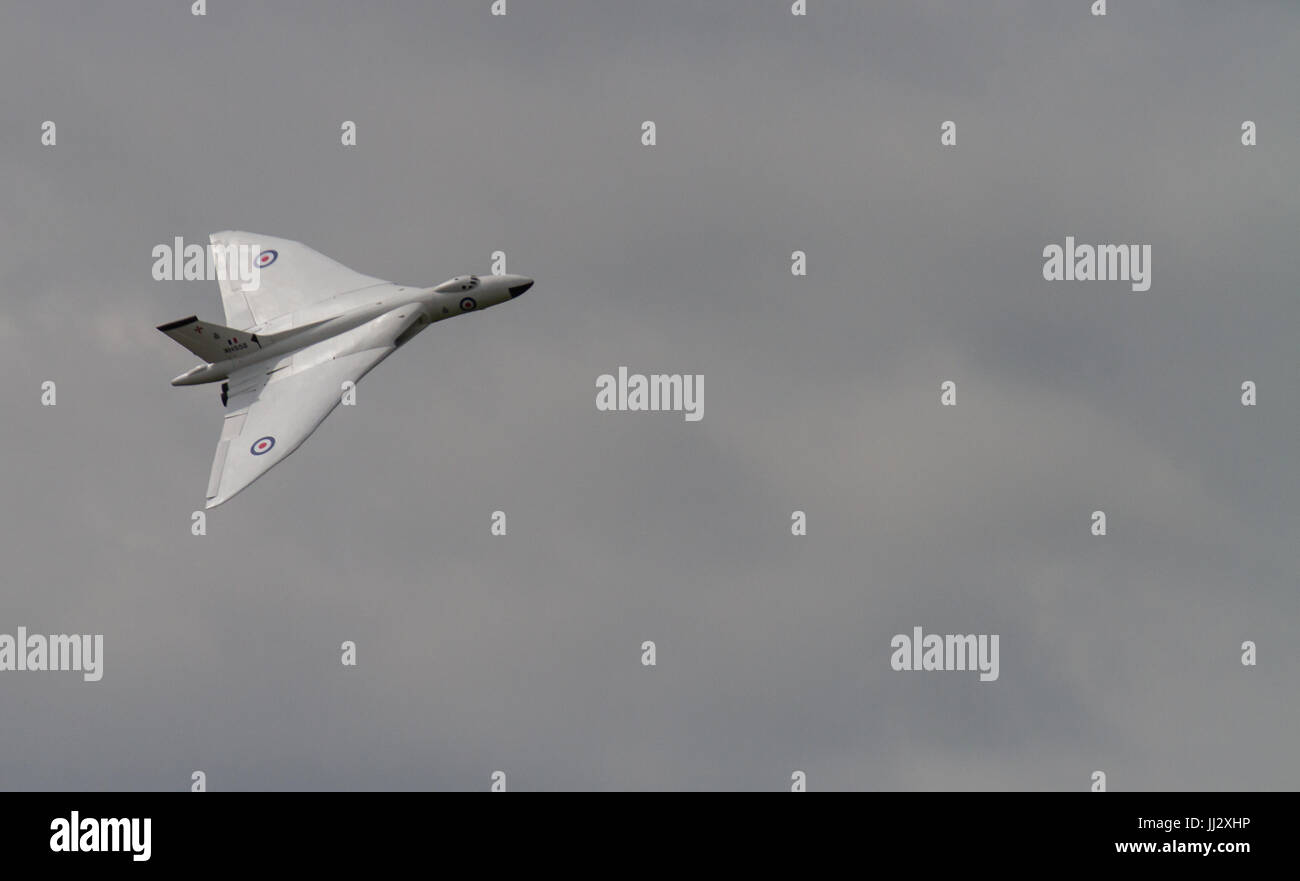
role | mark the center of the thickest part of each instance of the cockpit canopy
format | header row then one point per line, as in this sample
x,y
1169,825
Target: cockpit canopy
x,y
458,284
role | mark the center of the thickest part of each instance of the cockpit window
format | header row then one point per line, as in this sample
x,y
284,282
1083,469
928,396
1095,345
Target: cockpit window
x,y
459,283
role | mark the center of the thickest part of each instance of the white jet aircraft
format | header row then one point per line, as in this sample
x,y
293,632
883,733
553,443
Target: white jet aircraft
x,y
295,335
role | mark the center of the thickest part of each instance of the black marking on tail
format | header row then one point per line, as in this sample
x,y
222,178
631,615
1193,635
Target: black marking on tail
x,y
172,325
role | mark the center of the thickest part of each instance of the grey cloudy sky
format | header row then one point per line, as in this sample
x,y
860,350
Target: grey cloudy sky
x,y
478,653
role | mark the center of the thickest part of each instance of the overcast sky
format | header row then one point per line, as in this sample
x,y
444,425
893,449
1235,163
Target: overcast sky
x,y
523,653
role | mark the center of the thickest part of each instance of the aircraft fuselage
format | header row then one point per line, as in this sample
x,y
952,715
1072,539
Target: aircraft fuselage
x,y
378,315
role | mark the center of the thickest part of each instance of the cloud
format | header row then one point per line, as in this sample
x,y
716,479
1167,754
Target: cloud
x,y
479,653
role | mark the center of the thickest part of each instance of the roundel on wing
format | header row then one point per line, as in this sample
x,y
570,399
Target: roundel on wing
x,y
262,445
467,304
266,258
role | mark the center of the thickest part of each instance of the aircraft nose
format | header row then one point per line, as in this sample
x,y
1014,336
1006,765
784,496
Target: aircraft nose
x,y
524,284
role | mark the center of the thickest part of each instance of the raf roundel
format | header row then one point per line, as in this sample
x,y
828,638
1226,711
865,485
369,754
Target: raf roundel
x,y
266,258
467,304
262,445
